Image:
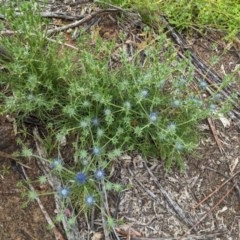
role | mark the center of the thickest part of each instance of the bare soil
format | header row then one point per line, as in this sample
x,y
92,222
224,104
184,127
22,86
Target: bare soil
x,y
159,204
18,222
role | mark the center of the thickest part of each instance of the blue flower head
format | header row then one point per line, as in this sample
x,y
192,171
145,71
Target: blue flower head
x,y
144,93
176,103
153,116
31,97
179,146
81,177
83,124
182,82
127,105
95,122
86,104
218,97
195,101
84,162
172,127
64,192
107,112
96,151
162,136
100,132
99,174
56,164
203,85
89,200
213,107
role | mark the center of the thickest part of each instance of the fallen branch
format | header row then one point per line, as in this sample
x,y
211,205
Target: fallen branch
x,y
216,190
80,22
214,132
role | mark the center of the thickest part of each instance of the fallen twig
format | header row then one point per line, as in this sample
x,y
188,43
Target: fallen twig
x,y
78,23
224,93
56,232
180,213
78,2
104,221
206,236
61,15
216,190
61,43
208,74
9,156
208,212
238,229
73,233
214,132
104,210
236,188
197,62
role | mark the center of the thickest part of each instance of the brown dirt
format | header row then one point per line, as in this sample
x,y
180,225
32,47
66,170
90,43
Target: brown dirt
x,y
144,207
16,221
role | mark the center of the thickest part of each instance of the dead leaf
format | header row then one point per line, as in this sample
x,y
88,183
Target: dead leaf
x,y
97,236
233,165
225,122
126,230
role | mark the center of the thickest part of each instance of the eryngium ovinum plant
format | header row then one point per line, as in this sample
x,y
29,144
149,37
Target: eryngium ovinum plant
x,y
145,103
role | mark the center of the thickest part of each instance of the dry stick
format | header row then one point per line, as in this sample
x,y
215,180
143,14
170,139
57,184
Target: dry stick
x,y
219,144
151,194
188,237
195,59
105,231
9,156
55,15
9,33
61,15
237,190
216,171
61,43
55,183
105,206
78,2
57,233
208,212
234,114
238,229
201,67
77,23
216,190
173,204
223,91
